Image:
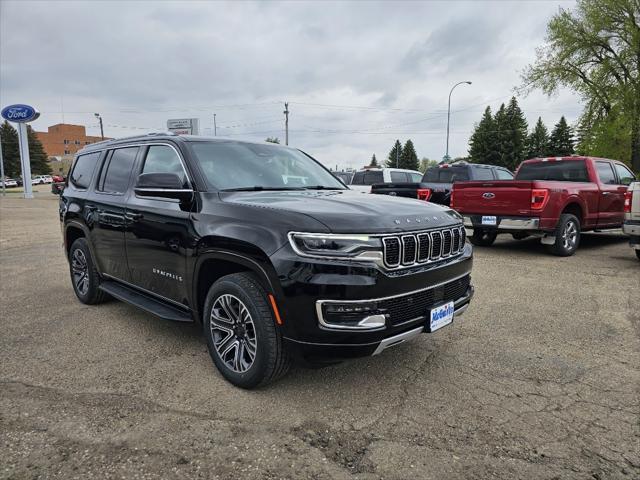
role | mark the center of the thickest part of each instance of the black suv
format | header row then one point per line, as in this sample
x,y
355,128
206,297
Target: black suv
x,y
261,244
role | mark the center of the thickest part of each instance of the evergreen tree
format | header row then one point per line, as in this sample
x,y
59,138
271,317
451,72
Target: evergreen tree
x,y
394,155
272,140
500,132
374,161
514,136
483,141
409,158
37,156
10,150
561,141
538,141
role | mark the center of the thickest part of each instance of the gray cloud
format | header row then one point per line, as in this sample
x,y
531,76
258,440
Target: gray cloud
x,y
139,63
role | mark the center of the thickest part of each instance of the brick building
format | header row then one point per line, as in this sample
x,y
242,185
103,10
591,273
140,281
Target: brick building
x,y
65,139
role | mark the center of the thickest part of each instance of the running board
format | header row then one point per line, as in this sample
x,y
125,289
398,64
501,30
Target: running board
x,y
144,301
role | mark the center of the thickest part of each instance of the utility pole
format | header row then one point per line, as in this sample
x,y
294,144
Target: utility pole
x,y
97,115
286,123
2,169
215,128
397,157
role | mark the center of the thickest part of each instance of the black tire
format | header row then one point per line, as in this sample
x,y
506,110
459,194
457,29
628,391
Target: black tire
x,y
567,236
483,238
519,235
85,286
257,332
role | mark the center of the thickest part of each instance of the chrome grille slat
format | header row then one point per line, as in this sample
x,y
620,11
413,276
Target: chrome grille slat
x,y
436,246
446,242
410,249
424,247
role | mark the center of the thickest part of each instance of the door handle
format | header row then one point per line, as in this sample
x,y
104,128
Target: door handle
x,y
606,193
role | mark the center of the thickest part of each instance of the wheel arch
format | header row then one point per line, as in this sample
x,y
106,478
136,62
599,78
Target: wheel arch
x,y
575,207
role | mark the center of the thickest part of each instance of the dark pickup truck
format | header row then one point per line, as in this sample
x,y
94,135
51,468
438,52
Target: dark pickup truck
x,y
552,198
437,182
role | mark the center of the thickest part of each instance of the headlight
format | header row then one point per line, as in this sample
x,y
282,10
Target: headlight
x,y
355,247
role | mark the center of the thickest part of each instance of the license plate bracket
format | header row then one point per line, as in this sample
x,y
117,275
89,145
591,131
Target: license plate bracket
x,y
489,220
440,316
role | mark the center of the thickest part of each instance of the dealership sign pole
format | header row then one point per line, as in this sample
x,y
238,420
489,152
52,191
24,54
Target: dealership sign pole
x,y
22,114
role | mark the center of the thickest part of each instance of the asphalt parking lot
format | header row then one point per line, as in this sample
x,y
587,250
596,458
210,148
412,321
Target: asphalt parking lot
x,y
539,379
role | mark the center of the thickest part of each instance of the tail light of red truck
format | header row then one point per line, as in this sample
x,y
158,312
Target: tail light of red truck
x,y
424,194
539,197
628,197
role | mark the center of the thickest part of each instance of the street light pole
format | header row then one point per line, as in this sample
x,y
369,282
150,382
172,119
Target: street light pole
x,y
97,115
449,114
215,127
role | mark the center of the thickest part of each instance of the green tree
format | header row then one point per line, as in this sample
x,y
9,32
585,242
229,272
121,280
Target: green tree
x,y
10,150
538,141
426,163
561,140
409,158
393,159
374,161
500,132
513,136
272,140
38,157
607,137
483,141
595,50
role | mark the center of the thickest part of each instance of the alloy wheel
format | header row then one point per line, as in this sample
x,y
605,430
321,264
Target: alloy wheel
x,y
233,332
569,235
80,269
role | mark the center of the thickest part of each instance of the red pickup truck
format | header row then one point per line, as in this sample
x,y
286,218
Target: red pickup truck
x,y
551,198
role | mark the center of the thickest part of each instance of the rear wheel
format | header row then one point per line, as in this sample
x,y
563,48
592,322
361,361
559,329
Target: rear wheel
x,y
242,337
519,235
483,238
84,275
567,236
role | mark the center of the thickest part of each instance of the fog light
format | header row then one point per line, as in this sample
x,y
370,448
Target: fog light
x,y
351,316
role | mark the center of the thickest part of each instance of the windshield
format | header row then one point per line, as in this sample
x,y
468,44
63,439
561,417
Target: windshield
x,y
564,171
445,175
230,165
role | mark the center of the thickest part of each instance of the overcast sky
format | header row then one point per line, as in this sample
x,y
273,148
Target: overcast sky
x,y
357,75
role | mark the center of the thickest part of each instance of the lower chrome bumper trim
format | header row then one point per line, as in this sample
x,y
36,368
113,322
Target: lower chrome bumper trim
x,y
507,223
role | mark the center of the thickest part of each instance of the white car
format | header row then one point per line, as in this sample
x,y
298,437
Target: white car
x,y
8,183
363,179
41,179
631,225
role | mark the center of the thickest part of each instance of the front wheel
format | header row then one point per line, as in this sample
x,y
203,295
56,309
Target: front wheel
x,y
483,238
567,236
84,275
242,337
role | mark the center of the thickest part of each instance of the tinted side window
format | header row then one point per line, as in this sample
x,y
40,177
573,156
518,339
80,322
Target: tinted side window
x,y
164,159
83,170
372,177
483,173
625,177
116,170
504,174
358,178
398,177
605,172
416,177
446,175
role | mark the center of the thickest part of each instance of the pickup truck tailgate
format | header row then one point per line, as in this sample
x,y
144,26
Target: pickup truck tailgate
x,y
505,197
408,190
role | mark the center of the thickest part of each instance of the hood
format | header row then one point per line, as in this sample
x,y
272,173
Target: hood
x,y
346,211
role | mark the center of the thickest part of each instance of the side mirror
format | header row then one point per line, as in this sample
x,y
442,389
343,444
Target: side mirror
x,y
164,185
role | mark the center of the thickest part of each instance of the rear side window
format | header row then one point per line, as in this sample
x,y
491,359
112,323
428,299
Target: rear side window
x,y
83,170
399,177
164,159
446,175
116,171
483,173
563,171
367,177
605,172
504,174
416,177
625,177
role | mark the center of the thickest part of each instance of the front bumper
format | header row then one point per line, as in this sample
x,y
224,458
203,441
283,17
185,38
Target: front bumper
x,y
308,283
504,223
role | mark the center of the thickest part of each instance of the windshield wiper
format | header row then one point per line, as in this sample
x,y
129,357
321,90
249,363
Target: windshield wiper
x,y
321,187
259,188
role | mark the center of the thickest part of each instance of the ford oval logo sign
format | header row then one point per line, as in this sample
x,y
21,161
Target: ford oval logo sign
x,y
20,113
488,195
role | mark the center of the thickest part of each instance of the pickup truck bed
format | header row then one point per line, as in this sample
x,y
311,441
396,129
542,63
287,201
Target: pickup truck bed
x,y
554,199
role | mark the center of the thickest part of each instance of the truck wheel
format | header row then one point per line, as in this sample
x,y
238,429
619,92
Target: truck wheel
x,y
84,275
483,238
519,236
241,333
567,236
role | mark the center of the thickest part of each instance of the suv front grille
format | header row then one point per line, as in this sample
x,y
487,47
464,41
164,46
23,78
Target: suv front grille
x,y
413,306
423,247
